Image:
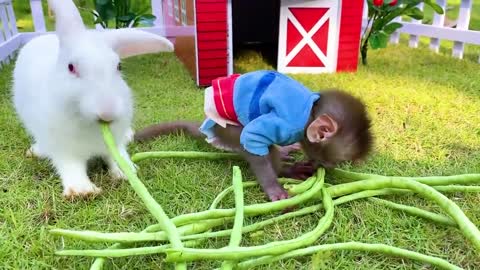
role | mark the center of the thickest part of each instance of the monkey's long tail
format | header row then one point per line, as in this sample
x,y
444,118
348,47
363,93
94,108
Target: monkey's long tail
x,y
157,130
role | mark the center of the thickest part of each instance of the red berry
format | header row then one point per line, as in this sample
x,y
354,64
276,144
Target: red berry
x,y
378,3
393,3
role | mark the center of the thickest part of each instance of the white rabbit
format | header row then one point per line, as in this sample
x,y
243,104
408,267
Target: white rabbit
x,y
65,82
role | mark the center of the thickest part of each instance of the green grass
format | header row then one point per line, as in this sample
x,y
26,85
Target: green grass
x,y
425,110
24,16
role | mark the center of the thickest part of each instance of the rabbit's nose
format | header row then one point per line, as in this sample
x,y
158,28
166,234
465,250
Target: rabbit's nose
x,y
105,117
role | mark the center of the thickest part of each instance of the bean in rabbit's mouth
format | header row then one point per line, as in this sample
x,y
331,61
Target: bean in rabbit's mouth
x,y
106,117
100,121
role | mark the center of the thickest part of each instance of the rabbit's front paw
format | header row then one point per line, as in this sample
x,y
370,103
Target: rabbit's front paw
x,y
129,135
81,189
116,173
34,152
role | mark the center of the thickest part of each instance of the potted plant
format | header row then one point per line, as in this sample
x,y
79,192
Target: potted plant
x,y
380,25
122,13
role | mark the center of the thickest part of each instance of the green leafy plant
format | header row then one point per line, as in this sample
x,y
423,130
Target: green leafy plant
x,y
380,25
123,13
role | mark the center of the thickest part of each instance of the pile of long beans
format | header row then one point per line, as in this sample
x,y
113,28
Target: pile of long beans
x,y
178,236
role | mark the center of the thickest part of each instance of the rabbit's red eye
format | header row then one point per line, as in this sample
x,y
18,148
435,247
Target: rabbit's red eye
x,y
72,69
119,66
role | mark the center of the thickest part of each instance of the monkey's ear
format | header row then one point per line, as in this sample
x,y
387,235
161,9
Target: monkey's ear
x,y
322,128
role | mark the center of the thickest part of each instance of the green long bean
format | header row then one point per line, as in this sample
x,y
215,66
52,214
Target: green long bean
x,y
357,246
186,155
198,226
460,179
224,193
139,237
116,253
334,189
369,193
236,236
155,209
355,176
273,248
393,191
300,188
469,229
253,209
304,211
100,261
258,225
415,211
132,237
457,188
248,184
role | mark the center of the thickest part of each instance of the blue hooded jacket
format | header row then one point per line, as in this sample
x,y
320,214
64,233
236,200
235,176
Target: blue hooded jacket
x,y
272,108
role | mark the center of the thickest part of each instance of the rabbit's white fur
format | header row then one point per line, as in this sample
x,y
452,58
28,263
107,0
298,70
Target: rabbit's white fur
x,y
60,109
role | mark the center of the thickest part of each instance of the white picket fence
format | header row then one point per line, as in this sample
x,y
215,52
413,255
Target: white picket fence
x,y
437,31
11,40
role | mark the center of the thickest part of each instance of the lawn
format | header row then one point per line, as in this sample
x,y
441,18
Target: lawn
x,y
24,17
425,109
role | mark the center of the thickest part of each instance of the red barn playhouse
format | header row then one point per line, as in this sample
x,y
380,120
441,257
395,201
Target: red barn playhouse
x,y
299,36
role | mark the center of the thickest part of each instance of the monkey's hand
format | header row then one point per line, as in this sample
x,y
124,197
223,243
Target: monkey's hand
x,y
267,177
299,170
286,150
276,193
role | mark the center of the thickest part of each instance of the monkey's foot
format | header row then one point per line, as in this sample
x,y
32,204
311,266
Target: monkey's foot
x,y
300,170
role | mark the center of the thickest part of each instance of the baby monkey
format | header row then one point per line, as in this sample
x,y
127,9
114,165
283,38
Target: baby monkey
x,y
263,115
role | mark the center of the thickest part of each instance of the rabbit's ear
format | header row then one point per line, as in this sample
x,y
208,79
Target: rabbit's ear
x,y
130,42
68,22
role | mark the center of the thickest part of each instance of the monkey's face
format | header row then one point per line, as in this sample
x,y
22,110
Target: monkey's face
x,y
330,153
338,131
329,145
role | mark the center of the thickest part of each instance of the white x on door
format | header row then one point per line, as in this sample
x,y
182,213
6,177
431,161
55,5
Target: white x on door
x,y
308,36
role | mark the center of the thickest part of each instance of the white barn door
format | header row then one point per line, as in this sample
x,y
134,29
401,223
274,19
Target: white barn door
x,y
308,36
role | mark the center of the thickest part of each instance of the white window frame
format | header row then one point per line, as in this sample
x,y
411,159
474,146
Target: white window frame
x,y
184,11
176,10
170,8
